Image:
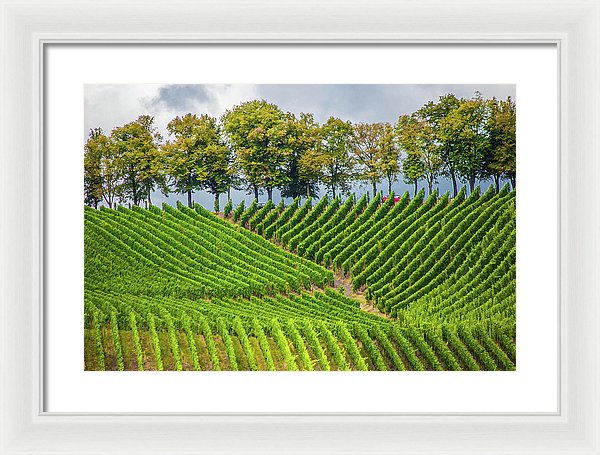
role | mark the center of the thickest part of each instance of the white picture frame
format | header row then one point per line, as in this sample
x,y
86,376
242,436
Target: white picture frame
x,y
30,25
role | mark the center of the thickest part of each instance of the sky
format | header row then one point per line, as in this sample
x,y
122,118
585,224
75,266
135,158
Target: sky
x,y
111,105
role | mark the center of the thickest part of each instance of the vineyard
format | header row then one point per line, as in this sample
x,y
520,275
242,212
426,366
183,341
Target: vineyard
x,y
356,284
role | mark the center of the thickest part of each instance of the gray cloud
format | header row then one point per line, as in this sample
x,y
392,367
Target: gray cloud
x,y
108,106
180,96
369,102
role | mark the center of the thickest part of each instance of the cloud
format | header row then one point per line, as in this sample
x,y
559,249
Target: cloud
x,y
108,106
180,96
111,105
368,102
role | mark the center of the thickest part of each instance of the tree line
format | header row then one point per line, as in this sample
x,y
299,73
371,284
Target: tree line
x,y
255,146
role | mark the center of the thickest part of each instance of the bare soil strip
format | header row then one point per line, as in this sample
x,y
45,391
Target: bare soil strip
x,y
346,283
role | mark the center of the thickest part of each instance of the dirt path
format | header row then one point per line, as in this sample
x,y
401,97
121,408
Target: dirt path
x,y
338,281
346,283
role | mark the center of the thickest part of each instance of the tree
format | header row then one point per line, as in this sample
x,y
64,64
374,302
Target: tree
x,y
408,139
139,161
467,123
436,114
257,133
390,155
366,152
310,167
95,147
337,166
102,170
217,170
501,130
429,152
196,157
153,170
302,137
423,157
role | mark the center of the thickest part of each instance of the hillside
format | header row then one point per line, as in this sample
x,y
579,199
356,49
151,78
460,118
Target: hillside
x,y
181,289
416,260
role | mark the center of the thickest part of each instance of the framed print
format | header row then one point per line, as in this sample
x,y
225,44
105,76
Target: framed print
x,y
272,197
322,319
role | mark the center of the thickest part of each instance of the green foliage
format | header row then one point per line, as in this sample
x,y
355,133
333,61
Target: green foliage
x,y
375,152
139,161
98,340
102,173
283,345
257,132
250,211
436,114
423,154
173,342
312,338
302,137
264,343
155,342
501,128
186,322
223,329
472,143
96,151
238,211
227,209
331,162
245,342
114,327
196,157
210,343
136,341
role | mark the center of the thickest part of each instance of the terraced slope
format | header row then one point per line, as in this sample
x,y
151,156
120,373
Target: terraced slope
x,y
435,260
178,289
181,252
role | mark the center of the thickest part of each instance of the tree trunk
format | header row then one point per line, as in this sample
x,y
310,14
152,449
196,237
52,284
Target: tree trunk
x,y
430,183
454,185
255,192
416,189
333,191
389,185
471,184
216,205
189,193
497,182
270,194
228,194
149,199
374,183
135,193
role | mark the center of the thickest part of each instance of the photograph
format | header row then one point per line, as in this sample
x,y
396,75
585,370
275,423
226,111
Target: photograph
x,y
254,227
299,227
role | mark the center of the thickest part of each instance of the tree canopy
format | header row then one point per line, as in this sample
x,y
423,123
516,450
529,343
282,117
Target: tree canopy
x,y
196,157
256,130
258,147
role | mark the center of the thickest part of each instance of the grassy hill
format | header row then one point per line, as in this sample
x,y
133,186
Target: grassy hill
x,y
421,284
